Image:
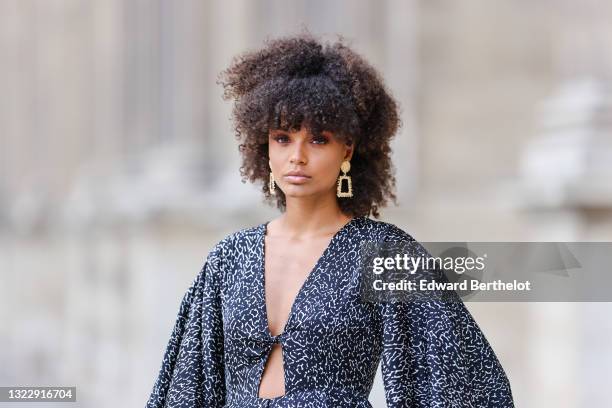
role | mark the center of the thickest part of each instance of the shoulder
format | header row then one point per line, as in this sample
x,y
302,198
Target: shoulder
x,y
237,241
229,251
386,232
382,231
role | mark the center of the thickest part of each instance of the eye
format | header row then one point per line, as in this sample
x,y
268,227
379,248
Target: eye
x,y
319,140
281,138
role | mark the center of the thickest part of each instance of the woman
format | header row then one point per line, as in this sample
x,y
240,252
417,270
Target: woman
x,y
274,317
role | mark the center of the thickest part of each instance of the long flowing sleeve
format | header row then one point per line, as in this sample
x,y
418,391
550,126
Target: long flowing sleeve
x,y
435,355
192,369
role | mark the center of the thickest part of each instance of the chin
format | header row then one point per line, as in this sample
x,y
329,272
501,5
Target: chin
x,y
301,191
294,192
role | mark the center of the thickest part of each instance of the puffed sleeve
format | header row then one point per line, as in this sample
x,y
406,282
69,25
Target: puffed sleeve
x,y
435,355
192,369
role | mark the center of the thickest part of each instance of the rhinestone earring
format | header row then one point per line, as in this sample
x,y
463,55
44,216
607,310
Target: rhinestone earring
x,y
345,167
271,185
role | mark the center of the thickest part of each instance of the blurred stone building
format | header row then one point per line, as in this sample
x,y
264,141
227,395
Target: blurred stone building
x,y
119,169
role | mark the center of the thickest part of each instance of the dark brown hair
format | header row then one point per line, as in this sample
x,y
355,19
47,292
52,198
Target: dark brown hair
x,y
298,81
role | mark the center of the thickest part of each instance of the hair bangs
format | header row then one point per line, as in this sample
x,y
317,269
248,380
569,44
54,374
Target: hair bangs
x,y
314,102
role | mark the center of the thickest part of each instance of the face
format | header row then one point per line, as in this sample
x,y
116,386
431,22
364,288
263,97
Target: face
x,y
316,161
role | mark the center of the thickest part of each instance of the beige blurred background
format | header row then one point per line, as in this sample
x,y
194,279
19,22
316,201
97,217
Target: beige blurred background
x,y
119,169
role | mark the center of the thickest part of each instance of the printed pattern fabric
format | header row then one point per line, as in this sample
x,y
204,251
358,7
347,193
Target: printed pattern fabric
x,y
432,354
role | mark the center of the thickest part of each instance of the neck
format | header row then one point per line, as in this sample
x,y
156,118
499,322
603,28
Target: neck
x,y
312,217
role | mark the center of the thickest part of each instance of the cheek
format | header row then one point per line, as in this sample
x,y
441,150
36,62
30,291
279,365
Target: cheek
x,y
272,150
276,154
327,167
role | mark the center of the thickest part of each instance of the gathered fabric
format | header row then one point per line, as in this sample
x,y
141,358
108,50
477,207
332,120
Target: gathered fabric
x,y
432,354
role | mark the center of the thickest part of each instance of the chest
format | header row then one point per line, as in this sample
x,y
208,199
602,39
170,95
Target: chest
x,y
288,265
311,287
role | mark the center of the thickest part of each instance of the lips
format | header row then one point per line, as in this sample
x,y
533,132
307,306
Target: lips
x,y
297,173
297,177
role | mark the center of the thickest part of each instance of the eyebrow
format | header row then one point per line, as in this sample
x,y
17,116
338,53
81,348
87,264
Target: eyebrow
x,y
326,133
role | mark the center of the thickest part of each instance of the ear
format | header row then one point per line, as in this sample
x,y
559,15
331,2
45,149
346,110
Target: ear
x,y
348,152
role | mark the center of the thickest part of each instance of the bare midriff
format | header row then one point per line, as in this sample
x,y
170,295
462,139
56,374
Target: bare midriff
x,y
273,378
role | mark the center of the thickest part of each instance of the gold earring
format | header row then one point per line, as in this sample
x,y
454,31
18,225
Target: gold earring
x,y
345,167
271,185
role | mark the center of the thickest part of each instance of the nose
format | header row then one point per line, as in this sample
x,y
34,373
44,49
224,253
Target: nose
x,y
298,155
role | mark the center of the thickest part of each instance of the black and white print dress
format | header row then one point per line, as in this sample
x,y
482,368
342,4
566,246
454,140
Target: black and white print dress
x,y
432,354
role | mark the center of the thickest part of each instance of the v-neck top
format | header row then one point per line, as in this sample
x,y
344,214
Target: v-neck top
x,y
432,354
262,272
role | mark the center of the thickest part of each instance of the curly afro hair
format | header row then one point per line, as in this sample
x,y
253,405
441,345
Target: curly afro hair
x,y
297,81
